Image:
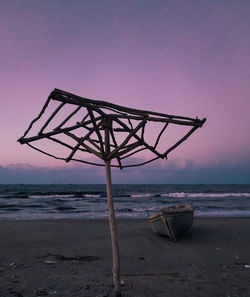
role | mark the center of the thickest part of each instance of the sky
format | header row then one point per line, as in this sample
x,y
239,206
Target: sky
x,y
189,58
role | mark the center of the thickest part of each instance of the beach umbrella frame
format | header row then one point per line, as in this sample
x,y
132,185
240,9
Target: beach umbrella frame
x,y
101,124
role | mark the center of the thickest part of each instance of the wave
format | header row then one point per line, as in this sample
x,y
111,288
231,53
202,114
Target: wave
x,y
123,194
142,195
92,195
52,196
189,195
205,195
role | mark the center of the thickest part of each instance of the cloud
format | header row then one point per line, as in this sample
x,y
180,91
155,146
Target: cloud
x,y
24,173
175,171
181,171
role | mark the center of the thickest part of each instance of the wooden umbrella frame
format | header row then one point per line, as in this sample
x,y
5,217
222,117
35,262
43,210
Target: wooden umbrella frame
x,y
100,140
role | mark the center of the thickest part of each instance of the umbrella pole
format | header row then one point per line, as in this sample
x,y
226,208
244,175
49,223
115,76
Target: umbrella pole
x,y
113,231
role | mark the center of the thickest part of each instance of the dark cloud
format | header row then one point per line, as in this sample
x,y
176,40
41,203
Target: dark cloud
x,y
34,174
159,172
187,173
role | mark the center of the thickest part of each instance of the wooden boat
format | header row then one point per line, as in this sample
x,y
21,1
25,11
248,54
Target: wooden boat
x,y
172,221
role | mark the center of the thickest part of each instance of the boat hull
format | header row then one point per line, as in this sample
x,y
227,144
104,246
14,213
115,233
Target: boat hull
x,y
173,221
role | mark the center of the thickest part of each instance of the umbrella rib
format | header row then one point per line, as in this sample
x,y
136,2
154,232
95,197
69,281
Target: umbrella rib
x,y
180,141
63,143
97,141
80,140
51,117
44,135
91,150
139,139
88,162
83,104
134,152
116,146
160,134
97,131
41,151
84,118
164,120
93,142
114,110
142,132
68,117
130,123
37,118
72,98
76,101
73,152
140,164
131,134
129,148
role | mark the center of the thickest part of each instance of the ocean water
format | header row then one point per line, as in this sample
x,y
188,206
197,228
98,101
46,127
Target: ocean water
x,y
18,202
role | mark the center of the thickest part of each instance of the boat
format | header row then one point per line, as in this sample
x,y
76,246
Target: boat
x,y
172,221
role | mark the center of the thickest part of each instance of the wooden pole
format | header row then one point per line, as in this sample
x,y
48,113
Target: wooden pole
x,y
112,224
113,232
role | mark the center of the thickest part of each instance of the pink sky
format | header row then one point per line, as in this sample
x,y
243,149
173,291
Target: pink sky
x,y
189,58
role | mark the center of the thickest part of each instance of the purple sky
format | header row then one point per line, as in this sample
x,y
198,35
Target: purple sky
x,y
189,58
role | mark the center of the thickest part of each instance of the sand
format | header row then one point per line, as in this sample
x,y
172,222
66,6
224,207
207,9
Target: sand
x,y
73,258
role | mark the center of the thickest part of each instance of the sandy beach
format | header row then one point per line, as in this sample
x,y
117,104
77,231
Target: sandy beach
x,y
73,258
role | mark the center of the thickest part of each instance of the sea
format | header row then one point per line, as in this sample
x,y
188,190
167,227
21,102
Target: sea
x,y
58,201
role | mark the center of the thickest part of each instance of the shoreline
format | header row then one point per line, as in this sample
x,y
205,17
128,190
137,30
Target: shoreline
x,y
72,257
118,219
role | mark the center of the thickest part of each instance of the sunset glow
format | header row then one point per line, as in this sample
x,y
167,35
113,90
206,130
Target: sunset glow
x,y
184,58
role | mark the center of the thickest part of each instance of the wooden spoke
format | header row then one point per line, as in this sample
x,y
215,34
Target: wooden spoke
x,y
139,139
131,134
130,148
160,134
133,153
97,131
180,141
68,117
64,144
51,117
116,147
81,141
37,118
42,151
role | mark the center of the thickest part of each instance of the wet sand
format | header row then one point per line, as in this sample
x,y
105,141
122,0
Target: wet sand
x,y
73,258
